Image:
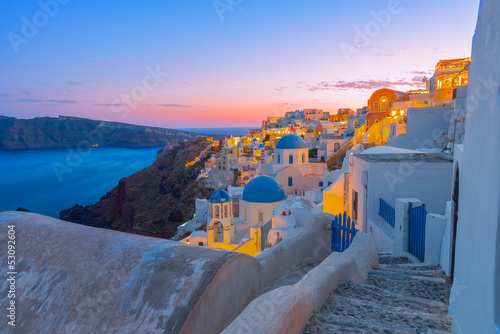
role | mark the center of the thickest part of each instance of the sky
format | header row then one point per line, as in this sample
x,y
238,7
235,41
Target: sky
x,y
218,63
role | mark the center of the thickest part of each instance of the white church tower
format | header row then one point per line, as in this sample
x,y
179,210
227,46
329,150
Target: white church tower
x,y
220,220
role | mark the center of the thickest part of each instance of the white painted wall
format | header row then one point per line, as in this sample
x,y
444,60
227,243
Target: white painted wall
x,y
252,210
427,180
300,182
426,128
475,295
434,230
296,153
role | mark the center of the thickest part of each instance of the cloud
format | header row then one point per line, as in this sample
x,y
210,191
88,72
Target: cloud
x,y
279,89
174,105
420,72
75,83
110,104
363,84
47,101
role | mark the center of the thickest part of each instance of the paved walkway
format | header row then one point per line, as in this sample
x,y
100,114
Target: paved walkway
x,y
399,297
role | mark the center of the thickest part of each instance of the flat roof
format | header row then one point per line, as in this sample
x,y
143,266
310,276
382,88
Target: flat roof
x,y
400,157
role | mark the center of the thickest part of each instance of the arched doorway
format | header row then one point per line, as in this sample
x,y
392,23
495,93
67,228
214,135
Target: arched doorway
x,y
455,220
218,232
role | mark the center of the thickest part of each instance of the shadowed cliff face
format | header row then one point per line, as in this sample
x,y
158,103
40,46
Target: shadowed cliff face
x,y
153,201
63,132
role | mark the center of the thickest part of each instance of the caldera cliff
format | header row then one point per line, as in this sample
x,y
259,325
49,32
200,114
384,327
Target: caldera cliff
x,y
63,132
155,200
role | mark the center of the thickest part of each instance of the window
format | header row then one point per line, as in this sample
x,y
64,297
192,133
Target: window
x,y
290,181
375,105
245,214
321,183
279,158
290,159
303,158
354,204
261,217
226,211
217,214
200,243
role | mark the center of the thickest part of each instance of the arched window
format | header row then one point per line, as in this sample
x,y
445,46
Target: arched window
x,y
303,158
217,214
261,217
244,213
290,181
384,103
279,159
290,159
226,211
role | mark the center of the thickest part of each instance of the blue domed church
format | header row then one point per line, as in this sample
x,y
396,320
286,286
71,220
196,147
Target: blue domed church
x,y
292,168
260,197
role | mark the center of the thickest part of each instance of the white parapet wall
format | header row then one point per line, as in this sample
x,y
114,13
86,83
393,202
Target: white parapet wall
x,y
434,231
288,308
310,245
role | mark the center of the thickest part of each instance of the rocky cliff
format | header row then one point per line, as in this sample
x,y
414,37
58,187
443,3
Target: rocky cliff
x,y
63,132
153,201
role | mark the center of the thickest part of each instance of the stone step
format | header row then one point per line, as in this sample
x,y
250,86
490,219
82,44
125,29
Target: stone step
x,y
391,260
399,297
426,272
342,314
335,324
383,297
421,288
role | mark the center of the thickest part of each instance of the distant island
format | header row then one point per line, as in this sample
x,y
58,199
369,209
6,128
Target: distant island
x,y
64,132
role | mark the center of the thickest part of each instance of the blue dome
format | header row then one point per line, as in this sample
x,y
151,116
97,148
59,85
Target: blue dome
x,y
291,141
219,196
263,189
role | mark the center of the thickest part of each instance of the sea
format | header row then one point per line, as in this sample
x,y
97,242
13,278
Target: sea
x,y
48,181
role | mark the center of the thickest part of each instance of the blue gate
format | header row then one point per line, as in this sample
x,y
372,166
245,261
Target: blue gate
x,y
387,212
343,231
416,231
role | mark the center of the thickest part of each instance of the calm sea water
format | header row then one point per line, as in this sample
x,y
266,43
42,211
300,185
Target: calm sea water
x,y
49,181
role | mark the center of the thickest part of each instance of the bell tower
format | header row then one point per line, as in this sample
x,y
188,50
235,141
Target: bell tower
x,y
220,220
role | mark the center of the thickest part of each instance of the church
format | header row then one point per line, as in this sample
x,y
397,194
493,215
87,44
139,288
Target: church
x,y
292,168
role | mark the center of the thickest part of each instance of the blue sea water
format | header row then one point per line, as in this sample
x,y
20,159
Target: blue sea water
x,y
49,181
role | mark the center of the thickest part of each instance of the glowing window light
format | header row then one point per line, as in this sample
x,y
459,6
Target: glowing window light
x,y
394,113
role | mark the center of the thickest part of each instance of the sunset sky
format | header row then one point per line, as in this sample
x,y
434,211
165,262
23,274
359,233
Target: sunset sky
x,y
229,62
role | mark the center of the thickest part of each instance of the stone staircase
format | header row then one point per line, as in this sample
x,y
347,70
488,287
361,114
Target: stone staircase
x,y
399,297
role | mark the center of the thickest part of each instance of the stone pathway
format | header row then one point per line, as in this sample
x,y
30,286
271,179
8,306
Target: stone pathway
x,y
399,297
